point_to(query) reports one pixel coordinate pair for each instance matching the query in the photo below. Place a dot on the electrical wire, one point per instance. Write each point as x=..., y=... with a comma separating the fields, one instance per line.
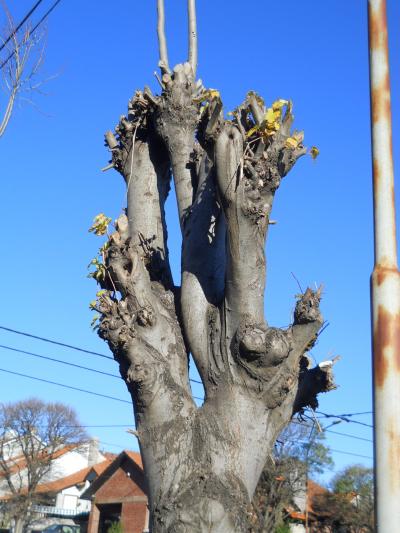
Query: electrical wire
x=345, y=417
x=77, y=348
x=4, y=63
x=58, y=343
x=351, y=453
x=16, y=350
x=294, y=441
x=20, y=24
x=59, y=361
x=347, y=435
x=128, y=402
x=325, y=430
x=65, y=386
x=331, y=449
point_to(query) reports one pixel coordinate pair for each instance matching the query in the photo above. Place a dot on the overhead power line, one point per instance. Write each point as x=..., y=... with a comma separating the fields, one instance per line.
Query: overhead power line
x=59, y=361
x=347, y=435
x=345, y=417
x=4, y=63
x=325, y=430
x=65, y=386
x=351, y=453
x=15, y=31
x=332, y=450
x=58, y=343
x=128, y=402
x=77, y=348
x=130, y=424
x=108, y=374
x=358, y=414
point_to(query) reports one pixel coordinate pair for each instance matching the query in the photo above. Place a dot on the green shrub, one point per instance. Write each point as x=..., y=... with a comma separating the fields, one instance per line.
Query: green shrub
x=283, y=528
x=116, y=527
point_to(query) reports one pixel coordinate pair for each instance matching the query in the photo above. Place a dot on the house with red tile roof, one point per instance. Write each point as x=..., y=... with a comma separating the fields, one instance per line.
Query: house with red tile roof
x=73, y=468
x=119, y=494
x=304, y=516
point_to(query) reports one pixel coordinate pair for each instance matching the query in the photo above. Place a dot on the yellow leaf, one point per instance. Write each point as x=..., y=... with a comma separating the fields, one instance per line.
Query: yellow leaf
x=252, y=130
x=209, y=94
x=278, y=104
x=291, y=143
x=213, y=93
x=295, y=140
x=271, y=122
x=314, y=152
x=100, y=224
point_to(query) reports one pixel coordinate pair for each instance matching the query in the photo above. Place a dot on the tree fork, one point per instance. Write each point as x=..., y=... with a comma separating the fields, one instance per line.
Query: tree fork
x=202, y=464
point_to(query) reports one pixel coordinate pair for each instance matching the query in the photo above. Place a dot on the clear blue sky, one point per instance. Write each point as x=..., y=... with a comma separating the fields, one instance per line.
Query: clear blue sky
x=313, y=52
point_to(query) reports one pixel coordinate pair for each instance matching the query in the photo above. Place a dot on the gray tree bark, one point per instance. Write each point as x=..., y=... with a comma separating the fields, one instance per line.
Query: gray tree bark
x=203, y=464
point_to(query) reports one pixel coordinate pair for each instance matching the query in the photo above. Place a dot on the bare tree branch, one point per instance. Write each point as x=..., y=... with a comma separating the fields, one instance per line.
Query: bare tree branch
x=192, y=35
x=203, y=272
x=20, y=67
x=162, y=40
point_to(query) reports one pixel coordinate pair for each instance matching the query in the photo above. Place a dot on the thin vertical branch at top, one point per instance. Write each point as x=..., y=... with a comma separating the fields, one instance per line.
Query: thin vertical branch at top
x=192, y=35
x=162, y=40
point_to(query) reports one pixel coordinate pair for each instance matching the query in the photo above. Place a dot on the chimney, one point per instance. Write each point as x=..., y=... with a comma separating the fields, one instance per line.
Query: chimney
x=93, y=452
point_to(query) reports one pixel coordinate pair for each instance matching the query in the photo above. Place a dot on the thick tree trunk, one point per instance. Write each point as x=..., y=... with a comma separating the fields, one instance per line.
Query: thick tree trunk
x=202, y=464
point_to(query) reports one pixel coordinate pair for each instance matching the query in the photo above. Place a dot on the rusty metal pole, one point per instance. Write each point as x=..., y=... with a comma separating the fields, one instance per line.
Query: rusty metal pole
x=385, y=284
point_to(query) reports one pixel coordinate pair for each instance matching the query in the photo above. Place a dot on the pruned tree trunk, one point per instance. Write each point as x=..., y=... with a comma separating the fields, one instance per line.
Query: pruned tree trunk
x=202, y=464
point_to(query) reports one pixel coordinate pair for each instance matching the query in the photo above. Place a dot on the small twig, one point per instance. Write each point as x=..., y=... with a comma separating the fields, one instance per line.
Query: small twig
x=316, y=421
x=108, y=167
x=133, y=432
x=298, y=283
x=159, y=80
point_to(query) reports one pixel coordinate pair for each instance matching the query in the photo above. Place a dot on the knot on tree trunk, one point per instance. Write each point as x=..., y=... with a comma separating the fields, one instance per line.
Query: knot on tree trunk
x=262, y=345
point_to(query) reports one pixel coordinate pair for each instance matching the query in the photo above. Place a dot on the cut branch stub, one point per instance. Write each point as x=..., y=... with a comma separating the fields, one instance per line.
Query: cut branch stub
x=312, y=381
x=307, y=307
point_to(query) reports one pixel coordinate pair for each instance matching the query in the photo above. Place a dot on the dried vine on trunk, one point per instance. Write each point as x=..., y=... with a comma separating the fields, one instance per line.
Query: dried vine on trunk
x=202, y=464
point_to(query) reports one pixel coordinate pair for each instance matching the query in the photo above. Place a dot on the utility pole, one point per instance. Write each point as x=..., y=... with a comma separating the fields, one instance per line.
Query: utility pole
x=385, y=284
